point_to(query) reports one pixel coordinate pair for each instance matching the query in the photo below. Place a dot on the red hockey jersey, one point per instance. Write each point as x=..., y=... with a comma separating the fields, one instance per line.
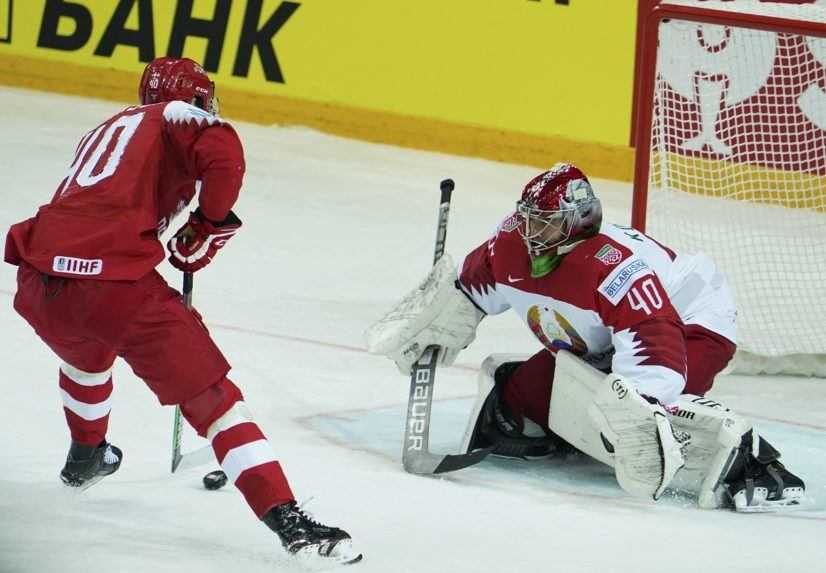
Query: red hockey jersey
x=618, y=299
x=130, y=176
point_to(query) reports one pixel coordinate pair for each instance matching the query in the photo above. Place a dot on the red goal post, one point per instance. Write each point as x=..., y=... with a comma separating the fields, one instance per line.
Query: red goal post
x=730, y=134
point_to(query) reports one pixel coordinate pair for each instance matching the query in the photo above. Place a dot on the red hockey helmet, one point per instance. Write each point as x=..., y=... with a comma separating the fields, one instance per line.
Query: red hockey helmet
x=172, y=79
x=558, y=207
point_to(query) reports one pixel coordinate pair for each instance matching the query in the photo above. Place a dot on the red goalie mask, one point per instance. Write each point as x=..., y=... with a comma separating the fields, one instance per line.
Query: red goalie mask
x=177, y=79
x=558, y=207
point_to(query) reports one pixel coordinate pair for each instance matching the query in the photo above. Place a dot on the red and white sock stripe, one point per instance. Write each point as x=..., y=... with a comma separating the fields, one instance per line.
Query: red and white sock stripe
x=86, y=402
x=248, y=459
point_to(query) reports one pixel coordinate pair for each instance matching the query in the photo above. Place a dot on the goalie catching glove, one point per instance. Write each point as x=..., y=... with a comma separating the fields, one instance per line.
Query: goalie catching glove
x=196, y=243
x=436, y=313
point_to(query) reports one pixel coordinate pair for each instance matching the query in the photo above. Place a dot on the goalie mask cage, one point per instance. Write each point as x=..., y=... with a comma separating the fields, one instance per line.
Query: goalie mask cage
x=730, y=132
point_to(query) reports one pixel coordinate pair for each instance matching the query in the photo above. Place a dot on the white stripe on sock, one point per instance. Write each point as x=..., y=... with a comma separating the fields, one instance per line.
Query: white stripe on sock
x=85, y=378
x=237, y=414
x=247, y=456
x=86, y=411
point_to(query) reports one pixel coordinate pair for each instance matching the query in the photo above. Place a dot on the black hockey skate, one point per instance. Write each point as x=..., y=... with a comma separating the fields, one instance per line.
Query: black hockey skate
x=497, y=427
x=761, y=483
x=309, y=541
x=86, y=465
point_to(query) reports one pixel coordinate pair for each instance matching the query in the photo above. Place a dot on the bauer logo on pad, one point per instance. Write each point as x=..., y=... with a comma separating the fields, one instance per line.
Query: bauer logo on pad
x=75, y=266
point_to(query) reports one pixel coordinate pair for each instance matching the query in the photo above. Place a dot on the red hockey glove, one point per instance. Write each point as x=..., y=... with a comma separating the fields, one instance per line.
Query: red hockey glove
x=196, y=243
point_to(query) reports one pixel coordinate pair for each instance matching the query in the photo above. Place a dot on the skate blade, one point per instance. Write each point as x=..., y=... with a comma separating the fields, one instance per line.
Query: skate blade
x=79, y=489
x=342, y=554
x=75, y=488
x=791, y=500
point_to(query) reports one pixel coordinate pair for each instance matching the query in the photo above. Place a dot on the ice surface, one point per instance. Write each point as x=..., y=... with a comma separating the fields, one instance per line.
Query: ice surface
x=334, y=232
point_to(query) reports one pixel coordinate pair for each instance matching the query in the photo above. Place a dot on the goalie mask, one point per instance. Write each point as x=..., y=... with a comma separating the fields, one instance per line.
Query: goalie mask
x=177, y=79
x=558, y=208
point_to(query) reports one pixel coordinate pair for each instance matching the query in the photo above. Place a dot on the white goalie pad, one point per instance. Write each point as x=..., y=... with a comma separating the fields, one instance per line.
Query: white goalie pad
x=587, y=405
x=710, y=435
x=715, y=433
x=575, y=386
x=435, y=313
x=718, y=437
x=647, y=455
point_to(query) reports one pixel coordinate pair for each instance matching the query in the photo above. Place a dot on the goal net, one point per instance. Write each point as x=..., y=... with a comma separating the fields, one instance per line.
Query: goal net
x=731, y=161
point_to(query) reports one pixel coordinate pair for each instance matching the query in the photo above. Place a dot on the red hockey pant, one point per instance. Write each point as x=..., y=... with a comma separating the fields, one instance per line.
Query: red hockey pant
x=89, y=323
x=528, y=390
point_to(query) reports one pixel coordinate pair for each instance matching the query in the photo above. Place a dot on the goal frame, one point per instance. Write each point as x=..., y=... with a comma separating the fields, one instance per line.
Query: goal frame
x=651, y=14
x=647, y=75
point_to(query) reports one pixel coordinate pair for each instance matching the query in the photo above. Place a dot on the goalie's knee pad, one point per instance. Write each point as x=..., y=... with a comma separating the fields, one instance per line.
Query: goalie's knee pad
x=492, y=424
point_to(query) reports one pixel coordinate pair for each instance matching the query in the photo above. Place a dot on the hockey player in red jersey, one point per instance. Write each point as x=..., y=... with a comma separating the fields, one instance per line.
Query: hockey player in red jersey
x=87, y=284
x=660, y=324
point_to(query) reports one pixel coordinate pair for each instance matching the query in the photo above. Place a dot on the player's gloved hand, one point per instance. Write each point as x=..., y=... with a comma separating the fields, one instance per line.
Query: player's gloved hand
x=196, y=243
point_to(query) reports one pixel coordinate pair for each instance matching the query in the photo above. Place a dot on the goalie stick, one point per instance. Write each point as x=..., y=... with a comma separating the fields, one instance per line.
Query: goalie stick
x=416, y=456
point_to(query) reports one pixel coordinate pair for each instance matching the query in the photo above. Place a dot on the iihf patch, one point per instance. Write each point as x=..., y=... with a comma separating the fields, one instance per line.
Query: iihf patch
x=609, y=255
x=76, y=266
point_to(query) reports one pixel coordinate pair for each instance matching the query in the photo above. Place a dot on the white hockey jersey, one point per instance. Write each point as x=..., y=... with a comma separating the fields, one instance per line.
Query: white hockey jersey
x=619, y=300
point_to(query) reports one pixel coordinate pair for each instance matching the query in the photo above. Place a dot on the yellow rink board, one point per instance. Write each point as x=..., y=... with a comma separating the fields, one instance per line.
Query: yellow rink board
x=521, y=81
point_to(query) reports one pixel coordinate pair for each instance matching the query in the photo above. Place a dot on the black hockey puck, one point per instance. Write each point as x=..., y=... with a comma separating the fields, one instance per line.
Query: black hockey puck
x=215, y=480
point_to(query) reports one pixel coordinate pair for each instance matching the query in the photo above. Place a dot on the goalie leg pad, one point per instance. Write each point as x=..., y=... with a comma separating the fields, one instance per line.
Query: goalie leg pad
x=575, y=385
x=724, y=467
x=715, y=434
x=647, y=454
x=711, y=436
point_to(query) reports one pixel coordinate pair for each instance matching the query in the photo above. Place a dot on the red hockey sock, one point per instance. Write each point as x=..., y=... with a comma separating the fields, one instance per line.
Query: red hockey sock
x=86, y=403
x=241, y=448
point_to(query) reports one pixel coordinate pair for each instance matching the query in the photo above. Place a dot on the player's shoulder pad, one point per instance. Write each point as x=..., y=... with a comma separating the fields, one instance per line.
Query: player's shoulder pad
x=180, y=112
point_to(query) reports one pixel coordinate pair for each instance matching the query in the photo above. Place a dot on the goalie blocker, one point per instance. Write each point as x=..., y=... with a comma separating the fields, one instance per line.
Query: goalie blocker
x=697, y=445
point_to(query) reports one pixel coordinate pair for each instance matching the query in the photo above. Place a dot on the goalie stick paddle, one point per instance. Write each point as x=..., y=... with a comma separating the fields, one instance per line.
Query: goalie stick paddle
x=416, y=456
x=177, y=425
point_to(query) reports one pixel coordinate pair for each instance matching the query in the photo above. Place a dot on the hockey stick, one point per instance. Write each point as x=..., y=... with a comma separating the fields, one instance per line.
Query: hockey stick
x=204, y=454
x=177, y=425
x=416, y=456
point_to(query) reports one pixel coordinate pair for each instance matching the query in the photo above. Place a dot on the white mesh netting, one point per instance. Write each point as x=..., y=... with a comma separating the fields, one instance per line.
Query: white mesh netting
x=738, y=171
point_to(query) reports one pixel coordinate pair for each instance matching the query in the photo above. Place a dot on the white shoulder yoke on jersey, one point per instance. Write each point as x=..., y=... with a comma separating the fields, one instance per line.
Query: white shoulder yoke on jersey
x=182, y=112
